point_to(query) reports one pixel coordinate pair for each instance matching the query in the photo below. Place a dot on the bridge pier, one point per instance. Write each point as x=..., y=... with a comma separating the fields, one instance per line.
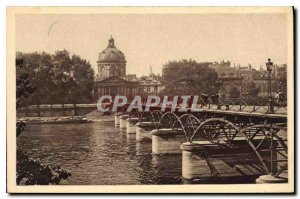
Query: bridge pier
x=117, y=119
x=194, y=164
x=130, y=137
x=143, y=130
x=130, y=125
x=123, y=123
x=206, y=160
x=167, y=141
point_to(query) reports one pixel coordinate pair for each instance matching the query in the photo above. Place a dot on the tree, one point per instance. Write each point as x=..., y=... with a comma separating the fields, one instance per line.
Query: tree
x=30, y=171
x=253, y=90
x=62, y=76
x=23, y=86
x=189, y=77
x=234, y=92
x=58, y=78
x=38, y=67
x=83, y=80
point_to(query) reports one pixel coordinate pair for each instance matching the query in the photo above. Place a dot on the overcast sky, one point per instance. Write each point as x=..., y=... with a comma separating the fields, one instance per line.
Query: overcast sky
x=154, y=39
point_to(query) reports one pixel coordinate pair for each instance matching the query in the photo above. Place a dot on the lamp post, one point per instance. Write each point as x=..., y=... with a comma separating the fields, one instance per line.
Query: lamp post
x=271, y=178
x=269, y=65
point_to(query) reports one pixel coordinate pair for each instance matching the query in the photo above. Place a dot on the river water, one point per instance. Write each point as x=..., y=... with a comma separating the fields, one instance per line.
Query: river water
x=99, y=154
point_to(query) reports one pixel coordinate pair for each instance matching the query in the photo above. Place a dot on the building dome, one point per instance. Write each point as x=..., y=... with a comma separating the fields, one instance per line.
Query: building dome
x=111, y=54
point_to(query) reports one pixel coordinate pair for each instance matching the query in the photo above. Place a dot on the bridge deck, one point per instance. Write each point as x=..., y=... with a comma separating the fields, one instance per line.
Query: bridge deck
x=241, y=113
x=260, y=111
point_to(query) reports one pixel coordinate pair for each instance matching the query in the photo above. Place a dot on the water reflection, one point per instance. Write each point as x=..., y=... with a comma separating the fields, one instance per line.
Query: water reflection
x=99, y=153
x=130, y=136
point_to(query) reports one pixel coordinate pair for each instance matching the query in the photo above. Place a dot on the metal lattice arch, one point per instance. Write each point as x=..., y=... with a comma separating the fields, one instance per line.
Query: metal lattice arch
x=217, y=130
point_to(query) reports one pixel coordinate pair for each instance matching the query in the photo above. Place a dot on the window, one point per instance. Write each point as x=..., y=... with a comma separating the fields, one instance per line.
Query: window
x=155, y=89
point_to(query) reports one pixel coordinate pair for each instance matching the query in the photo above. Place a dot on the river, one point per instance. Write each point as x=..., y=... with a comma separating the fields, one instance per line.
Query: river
x=99, y=154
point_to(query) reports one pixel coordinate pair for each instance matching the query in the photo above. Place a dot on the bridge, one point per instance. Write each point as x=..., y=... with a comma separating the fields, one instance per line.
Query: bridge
x=222, y=138
x=218, y=138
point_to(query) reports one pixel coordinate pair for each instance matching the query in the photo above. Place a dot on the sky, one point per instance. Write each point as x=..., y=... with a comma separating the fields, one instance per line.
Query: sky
x=154, y=39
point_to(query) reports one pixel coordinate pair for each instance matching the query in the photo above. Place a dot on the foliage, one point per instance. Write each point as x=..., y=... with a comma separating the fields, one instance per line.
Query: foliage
x=155, y=76
x=234, y=92
x=253, y=90
x=188, y=77
x=23, y=86
x=29, y=171
x=20, y=127
x=58, y=78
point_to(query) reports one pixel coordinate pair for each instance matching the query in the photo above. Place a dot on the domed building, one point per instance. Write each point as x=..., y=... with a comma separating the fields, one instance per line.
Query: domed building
x=111, y=62
x=112, y=73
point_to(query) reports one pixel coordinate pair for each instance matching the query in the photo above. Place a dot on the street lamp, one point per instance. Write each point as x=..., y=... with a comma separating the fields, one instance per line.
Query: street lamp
x=269, y=65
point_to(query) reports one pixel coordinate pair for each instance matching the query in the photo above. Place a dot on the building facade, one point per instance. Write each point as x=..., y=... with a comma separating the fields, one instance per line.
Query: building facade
x=111, y=78
x=150, y=84
x=111, y=62
x=245, y=78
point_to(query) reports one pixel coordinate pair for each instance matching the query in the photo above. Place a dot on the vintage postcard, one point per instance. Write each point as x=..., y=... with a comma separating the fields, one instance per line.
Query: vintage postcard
x=150, y=100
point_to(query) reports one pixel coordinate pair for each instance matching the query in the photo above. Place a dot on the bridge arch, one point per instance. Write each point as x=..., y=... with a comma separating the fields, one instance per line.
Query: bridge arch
x=218, y=129
x=152, y=116
x=256, y=135
x=222, y=124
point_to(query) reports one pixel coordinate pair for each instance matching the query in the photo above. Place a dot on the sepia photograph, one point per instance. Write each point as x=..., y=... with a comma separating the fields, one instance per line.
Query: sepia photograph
x=150, y=100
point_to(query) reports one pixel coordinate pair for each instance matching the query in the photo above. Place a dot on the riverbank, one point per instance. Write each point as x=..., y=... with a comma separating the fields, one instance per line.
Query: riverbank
x=56, y=110
x=55, y=120
x=95, y=117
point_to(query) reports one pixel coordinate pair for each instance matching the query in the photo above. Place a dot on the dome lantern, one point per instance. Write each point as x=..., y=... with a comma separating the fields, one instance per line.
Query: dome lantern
x=111, y=53
x=111, y=43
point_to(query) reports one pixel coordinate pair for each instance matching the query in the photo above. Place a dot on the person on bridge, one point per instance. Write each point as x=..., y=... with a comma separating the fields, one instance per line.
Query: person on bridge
x=204, y=100
x=215, y=98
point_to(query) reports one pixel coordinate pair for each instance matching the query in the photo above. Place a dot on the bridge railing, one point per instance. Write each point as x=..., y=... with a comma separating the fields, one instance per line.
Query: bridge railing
x=251, y=105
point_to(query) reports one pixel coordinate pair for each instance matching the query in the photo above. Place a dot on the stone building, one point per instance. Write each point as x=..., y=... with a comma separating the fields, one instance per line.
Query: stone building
x=111, y=78
x=111, y=62
x=150, y=84
x=245, y=77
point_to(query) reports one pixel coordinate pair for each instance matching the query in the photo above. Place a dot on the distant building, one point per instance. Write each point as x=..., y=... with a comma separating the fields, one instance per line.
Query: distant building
x=111, y=78
x=243, y=77
x=150, y=84
x=111, y=62
x=131, y=77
